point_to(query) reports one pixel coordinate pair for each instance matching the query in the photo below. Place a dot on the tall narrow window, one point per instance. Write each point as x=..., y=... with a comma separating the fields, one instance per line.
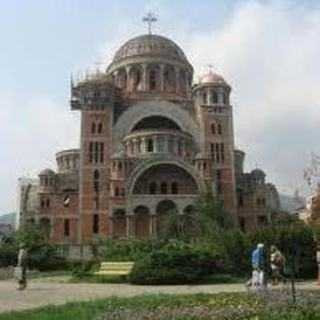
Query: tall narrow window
x=117, y=192
x=48, y=203
x=214, y=97
x=217, y=152
x=93, y=128
x=66, y=227
x=95, y=225
x=219, y=129
x=150, y=145
x=213, y=128
x=96, y=152
x=164, y=188
x=222, y=152
x=100, y=127
x=204, y=98
x=174, y=188
x=212, y=151
x=153, y=188
x=101, y=152
x=153, y=80
x=91, y=152
x=219, y=182
x=96, y=181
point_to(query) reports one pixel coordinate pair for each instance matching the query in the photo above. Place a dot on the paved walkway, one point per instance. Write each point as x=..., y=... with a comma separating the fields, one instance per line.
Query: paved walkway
x=44, y=292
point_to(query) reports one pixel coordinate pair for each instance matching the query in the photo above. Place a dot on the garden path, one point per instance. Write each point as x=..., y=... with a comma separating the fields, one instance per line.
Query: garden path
x=41, y=292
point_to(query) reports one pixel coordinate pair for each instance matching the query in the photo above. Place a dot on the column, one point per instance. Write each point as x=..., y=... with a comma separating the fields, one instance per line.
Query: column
x=128, y=84
x=155, y=144
x=135, y=146
x=177, y=72
x=209, y=96
x=151, y=224
x=129, y=225
x=143, y=145
x=166, y=144
x=220, y=96
x=162, y=66
x=175, y=146
x=144, y=77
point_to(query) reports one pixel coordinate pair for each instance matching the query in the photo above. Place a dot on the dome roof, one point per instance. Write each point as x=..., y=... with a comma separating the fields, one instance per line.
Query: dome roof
x=211, y=77
x=47, y=172
x=150, y=45
x=258, y=173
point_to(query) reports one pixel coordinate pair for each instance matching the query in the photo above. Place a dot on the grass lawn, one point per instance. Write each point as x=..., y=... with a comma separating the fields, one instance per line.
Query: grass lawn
x=178, y=307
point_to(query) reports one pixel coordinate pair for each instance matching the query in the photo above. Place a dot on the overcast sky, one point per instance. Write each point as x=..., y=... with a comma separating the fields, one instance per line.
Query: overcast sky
x=267, y=50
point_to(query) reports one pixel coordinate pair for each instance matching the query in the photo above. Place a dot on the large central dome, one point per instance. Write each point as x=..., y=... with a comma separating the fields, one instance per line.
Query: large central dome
x=150, y=45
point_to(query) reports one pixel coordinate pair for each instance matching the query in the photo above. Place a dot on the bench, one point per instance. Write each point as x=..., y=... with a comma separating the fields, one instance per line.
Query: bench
x=115, y=268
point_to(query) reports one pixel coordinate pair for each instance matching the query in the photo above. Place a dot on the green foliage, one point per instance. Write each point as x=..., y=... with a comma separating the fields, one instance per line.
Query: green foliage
x=8, y=254
x=42, y=256
x=177, y=263
x=127, y=249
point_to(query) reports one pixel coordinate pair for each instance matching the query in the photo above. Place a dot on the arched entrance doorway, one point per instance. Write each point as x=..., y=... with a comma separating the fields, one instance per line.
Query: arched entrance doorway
x=142, y=222
x=164, y=209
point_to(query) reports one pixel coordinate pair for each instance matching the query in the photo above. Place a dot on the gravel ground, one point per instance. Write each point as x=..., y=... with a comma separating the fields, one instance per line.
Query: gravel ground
x=44, y=292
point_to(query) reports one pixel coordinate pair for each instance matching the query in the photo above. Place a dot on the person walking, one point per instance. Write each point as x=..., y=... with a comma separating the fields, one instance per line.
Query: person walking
x=277, y=262
x=258, y=266
x=21, y=269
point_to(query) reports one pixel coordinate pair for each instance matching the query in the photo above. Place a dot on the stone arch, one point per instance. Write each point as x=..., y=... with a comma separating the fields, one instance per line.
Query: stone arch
x=145, y=166
x=128, y=120
x=142, y=222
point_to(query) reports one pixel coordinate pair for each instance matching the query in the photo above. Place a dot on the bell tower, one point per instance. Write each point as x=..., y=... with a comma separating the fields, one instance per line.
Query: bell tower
x=215, y=118
x=94, y=98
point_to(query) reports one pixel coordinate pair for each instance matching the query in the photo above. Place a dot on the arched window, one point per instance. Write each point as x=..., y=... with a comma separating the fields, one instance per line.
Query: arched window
x=219, y=129
x=224, y=98
x=150, y=145
x=153, y=188
x=66, y=227
x=164, y=188
x=120, y=166
x=153, y=79
x=95, y=225
x=214, y=97
x=96, y=180
x=93, y=127
x=100, y=127
x=204, y=98
x=174, y=188
x=116, y=192
x=213, y=128
x=48, y=203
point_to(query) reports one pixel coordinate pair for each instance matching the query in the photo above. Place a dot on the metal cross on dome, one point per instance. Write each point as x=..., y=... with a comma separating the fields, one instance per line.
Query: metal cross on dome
x=150, y=18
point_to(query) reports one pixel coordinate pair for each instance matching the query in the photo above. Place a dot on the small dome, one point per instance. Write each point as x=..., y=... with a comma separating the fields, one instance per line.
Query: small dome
x=47, y=172
x=150, y=45
x=211, y=77
x=258, y=173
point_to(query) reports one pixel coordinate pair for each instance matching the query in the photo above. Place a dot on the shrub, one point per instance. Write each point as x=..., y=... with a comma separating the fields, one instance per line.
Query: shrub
x=127, y=249
x=46, y=258
x=8, y=254
x=177, y=263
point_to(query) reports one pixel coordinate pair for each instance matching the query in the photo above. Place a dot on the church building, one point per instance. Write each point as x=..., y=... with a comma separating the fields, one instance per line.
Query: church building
x=152, y=140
